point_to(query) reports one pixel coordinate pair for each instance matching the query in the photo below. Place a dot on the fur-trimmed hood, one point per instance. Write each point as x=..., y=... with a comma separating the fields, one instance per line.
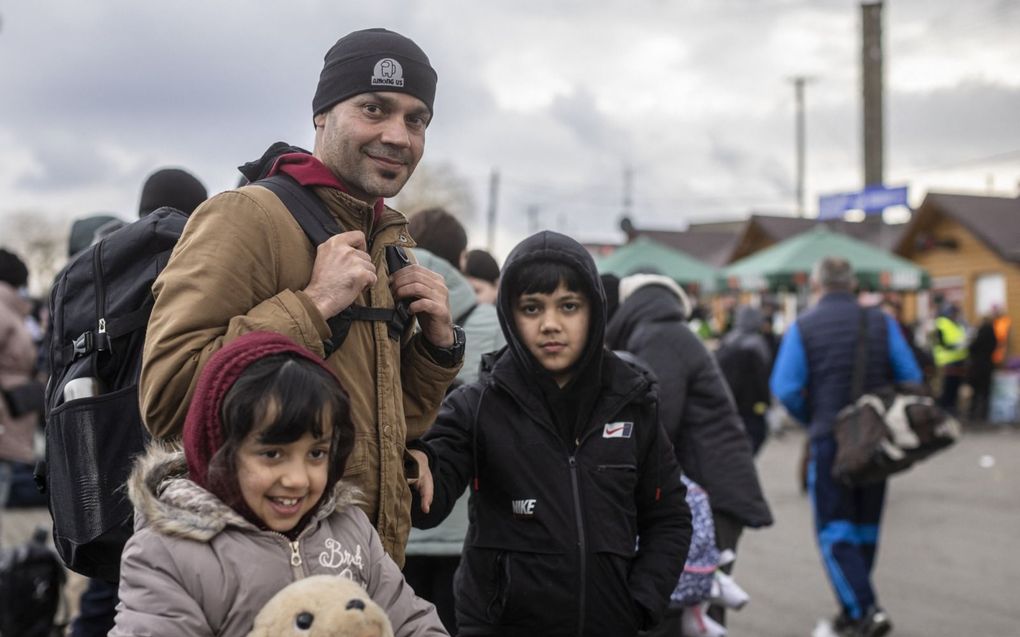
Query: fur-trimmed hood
x=168, y=501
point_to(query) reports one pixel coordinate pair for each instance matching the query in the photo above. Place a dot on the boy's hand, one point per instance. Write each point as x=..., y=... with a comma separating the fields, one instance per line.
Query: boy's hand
x=429, y=300
x=424, y=483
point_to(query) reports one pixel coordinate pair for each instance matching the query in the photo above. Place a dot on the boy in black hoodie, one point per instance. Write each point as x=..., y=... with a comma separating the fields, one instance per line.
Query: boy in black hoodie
x=578, y=524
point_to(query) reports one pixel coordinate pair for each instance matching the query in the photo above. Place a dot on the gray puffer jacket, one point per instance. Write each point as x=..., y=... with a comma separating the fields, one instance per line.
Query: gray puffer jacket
x=196, y=568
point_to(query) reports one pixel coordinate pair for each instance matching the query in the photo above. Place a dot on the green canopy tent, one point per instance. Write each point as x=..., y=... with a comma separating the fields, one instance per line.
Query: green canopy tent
x=787, y=265
x=642, y=255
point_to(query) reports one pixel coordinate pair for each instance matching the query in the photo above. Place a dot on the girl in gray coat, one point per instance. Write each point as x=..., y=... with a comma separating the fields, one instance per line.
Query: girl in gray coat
x=253, y=503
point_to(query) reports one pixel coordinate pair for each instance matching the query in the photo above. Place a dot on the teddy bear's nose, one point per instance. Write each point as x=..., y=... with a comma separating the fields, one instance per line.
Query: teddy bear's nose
x=304, y=621
x=355, y=604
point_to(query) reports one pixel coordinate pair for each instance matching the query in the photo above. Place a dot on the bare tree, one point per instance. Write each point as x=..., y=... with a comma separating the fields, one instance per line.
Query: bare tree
x=437, y=186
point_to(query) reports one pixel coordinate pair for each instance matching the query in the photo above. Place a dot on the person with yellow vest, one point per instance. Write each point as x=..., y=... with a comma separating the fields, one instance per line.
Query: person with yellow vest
x=950, y=351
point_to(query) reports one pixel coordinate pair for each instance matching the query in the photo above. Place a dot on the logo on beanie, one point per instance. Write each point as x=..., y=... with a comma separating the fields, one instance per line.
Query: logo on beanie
x=388, y=72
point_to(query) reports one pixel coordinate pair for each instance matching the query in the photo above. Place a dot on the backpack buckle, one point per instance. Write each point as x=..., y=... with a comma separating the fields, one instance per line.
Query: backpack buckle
x=83, y=344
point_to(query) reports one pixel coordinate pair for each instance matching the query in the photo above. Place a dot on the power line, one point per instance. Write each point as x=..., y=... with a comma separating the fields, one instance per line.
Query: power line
x=969, y=162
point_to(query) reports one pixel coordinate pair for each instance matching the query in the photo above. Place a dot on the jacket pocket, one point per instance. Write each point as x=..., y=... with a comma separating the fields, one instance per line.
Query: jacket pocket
x=510, y=592
x=482, y=583
x=610, y=500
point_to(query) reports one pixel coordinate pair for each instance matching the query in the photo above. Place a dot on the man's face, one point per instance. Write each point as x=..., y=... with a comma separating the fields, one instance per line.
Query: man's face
x=554, y=327
x=372, y=142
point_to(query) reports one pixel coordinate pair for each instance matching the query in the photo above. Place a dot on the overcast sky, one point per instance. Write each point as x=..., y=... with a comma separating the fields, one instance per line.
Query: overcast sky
x=560, y=96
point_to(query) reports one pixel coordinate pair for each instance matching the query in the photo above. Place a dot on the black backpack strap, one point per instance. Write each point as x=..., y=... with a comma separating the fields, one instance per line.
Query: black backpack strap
x=860, y=357
x=319, y=225
x=308, y=210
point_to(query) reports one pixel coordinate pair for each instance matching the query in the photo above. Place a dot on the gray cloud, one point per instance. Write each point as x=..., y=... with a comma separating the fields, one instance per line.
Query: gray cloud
x=105, y=92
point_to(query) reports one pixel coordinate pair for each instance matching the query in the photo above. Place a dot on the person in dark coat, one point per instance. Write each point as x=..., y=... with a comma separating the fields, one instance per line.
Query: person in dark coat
x=746, y=361
x=696, y=408
x=980, y=367
x=578, y=523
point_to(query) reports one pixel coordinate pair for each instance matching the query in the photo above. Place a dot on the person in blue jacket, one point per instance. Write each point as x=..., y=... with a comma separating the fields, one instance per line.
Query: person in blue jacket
x=812, y=378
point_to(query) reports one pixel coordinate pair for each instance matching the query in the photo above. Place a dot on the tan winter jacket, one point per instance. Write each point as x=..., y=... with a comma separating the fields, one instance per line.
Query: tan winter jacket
x=17, y=360
x=238, y=268
x=195, y=568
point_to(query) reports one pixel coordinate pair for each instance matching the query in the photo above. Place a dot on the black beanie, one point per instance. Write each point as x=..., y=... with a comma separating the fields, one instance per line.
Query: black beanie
x=171, y=187
x=374, y=60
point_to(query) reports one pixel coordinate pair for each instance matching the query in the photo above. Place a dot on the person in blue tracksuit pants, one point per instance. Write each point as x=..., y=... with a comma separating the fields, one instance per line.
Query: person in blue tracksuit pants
x=812, y=378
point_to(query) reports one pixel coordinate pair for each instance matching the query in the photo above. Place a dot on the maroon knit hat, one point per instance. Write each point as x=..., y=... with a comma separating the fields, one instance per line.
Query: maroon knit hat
x=203, y=430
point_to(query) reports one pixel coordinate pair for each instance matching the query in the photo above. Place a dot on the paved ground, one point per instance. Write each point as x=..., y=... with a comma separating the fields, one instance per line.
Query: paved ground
x=948, y=560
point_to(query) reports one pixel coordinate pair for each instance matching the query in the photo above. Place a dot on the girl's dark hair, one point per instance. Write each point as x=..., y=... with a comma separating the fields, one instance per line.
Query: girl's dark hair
x=300, y=396
x=543, y=277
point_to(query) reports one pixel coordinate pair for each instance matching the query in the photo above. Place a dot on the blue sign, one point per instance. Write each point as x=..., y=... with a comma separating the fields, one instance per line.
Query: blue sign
x=873, y=199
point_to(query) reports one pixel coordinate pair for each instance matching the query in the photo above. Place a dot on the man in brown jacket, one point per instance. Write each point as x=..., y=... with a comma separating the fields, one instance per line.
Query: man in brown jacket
x=244, y=264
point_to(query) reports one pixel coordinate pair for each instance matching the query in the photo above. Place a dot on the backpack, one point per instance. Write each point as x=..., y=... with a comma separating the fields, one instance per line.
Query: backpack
x=100, y=306
x=31, y=586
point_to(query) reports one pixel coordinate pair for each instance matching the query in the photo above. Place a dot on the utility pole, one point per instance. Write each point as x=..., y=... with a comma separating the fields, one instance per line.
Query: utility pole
x=871, y=85
x=799, y=82
x=493, y=198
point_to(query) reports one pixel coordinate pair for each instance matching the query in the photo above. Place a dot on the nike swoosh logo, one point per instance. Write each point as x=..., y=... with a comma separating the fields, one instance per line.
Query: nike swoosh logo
x=613, y=430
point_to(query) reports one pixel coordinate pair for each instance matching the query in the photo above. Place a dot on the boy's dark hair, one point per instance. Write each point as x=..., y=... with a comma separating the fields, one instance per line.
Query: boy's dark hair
x=543, y=277
x=299, y=394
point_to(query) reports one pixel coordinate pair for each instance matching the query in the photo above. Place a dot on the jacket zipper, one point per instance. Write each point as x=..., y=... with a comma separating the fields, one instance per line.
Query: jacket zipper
x=97, y=271
x=295, y=556
x=581, y=545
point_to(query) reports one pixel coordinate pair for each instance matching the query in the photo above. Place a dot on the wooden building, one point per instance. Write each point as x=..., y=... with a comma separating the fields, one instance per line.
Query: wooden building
x=970, y=246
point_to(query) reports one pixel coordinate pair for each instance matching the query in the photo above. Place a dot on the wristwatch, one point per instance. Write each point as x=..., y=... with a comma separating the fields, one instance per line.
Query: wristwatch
x=448, y=356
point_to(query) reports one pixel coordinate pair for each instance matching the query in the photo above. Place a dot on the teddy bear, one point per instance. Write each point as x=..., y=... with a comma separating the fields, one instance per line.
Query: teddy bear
x=322, y=606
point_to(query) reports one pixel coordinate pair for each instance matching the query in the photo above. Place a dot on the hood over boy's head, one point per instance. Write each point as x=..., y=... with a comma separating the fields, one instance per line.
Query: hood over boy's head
x=538, y=265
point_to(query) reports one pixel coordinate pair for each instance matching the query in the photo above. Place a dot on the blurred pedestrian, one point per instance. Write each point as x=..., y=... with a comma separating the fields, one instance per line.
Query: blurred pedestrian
x=1002, y=324
x=746, y=360
x=695, y=407
x=979, y=368
x=20, y=392
x=441, y=232
x=812, y=378
x=950, y=350
x=433, y=555
x=174, y=187
x=482, y=273
x=83, y=231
